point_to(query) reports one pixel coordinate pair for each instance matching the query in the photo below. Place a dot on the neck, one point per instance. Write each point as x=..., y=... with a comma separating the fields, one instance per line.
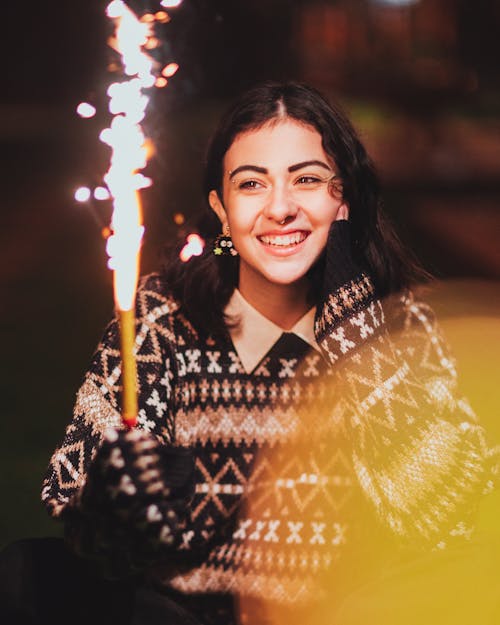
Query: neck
x=283, y=304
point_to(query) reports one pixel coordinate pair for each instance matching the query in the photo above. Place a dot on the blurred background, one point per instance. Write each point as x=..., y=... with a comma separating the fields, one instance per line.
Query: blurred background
x=419, y=79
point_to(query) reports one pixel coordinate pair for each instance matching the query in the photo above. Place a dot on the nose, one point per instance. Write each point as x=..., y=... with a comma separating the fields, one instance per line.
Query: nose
x=280, y=205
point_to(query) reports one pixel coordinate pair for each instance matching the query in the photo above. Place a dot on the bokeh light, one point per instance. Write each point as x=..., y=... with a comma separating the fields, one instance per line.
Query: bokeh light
x=194, y=247
x=170, y=4
x=101, y=193
x=82, y=194
x=86, y=110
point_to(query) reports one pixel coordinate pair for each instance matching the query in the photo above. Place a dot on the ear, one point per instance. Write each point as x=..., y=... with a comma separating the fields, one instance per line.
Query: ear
x=217, y=207
x=343, y=212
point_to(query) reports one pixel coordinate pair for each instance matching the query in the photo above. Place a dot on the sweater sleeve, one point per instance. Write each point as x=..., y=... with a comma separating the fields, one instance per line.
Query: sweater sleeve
x=418, y=451
x=98, y=400
x=72, y=484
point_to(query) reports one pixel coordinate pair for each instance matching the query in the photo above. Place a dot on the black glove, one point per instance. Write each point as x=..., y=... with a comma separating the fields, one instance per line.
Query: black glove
x=345, y=288
x=132, y=506
x=340, y=266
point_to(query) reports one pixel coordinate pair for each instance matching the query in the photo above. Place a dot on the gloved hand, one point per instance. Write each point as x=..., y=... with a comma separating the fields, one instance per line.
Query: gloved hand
x=134, y=501
x=345, y=289
x=340, y=266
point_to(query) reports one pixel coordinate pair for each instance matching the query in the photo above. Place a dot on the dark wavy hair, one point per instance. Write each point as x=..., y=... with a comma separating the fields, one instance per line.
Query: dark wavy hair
x=204, y=284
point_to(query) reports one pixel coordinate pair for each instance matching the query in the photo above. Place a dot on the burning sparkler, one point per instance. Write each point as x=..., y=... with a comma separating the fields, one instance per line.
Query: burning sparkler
x=127, y=104
x=128, y=99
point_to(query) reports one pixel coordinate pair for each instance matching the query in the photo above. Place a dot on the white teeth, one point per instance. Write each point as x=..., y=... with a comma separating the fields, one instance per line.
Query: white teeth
x=283, y=239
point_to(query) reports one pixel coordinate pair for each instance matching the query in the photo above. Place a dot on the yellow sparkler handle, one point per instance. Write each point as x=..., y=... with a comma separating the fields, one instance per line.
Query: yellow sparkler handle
x=129, y=367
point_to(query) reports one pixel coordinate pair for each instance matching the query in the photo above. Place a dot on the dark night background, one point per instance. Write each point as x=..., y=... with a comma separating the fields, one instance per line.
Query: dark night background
x=421, y=83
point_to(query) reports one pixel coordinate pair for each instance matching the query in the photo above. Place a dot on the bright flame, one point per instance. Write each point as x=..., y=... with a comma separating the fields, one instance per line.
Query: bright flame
x=86, y=110
x=82, y=194
x=193, y=247
x=127, y=102
x=170, y=4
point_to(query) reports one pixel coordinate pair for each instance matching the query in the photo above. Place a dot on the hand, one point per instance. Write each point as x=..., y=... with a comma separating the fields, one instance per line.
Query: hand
x=134, y=499
x=132, y=469
x=340, y=267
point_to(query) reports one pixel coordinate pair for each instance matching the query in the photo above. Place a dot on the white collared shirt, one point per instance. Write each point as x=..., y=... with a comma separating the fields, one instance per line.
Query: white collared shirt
x=253, y=334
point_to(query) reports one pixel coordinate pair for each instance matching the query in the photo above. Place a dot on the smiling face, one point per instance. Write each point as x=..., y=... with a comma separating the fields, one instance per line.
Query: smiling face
x=279, y=202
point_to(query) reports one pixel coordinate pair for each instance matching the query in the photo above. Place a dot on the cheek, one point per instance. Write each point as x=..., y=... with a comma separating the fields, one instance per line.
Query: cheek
x=325, y=216
x=238, y=226
x=320, y=243
x=241, y=217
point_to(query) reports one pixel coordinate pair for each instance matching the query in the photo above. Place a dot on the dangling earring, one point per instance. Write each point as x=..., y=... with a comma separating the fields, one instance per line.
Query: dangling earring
x=223, y=244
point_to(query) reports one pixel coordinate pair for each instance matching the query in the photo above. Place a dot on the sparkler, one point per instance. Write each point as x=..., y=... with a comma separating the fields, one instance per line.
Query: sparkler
x=127, y=103
x=128, y=99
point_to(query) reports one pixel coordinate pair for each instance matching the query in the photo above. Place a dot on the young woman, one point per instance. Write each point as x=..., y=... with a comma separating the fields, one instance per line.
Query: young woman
x=287, y=377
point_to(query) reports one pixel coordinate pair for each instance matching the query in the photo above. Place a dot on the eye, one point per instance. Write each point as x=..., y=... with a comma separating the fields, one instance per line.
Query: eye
x=310, y=180
x=249, y=185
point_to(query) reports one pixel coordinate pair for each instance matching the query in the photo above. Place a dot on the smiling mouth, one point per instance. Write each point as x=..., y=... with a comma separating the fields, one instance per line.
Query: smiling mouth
x=283, y=240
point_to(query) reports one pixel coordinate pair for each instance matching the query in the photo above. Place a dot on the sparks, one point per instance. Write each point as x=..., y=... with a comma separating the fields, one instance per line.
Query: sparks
x=169, y=70
x=130, y=150
x=129, y=155
x=86, y=110
x=101, y=193
x=127, y=104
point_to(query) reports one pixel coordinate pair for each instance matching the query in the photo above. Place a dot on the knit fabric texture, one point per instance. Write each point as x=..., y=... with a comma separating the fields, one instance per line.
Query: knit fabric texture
x=286, y=455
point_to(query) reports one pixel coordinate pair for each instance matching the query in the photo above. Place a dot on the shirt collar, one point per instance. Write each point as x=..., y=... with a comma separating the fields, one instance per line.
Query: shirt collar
x=253, y=334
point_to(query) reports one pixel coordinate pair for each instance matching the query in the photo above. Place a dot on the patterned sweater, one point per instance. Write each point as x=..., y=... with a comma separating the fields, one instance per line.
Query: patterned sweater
x=287, y=456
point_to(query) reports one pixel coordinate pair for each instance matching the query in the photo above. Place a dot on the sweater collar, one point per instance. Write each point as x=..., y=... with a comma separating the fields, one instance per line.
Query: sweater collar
x=254, y=335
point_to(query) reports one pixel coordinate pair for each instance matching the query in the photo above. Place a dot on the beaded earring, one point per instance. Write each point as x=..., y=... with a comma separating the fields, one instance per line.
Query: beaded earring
x=223, y=244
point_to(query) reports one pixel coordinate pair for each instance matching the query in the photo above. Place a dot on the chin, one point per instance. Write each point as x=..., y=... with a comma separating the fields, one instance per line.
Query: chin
x=286, y=277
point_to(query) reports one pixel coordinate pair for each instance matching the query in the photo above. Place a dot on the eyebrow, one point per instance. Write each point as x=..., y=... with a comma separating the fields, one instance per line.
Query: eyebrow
x=259, y=170
x=291, y=169
x=298, y=166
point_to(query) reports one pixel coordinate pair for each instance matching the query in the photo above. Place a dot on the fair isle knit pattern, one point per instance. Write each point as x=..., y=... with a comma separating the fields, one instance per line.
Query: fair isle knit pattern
x=282, y=453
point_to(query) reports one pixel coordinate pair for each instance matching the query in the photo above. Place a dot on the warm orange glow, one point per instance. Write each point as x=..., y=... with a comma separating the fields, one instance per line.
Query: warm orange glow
x=148, y=18
x=193, y=247
x=151, y=43
x=179, y=219
x=149, y=146
x=377, y=577
x=162, y=16
x=169, y=70
x=106, y=232
x=161, y=82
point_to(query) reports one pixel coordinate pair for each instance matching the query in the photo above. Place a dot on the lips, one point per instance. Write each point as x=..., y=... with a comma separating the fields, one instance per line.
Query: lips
x=284, y=240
